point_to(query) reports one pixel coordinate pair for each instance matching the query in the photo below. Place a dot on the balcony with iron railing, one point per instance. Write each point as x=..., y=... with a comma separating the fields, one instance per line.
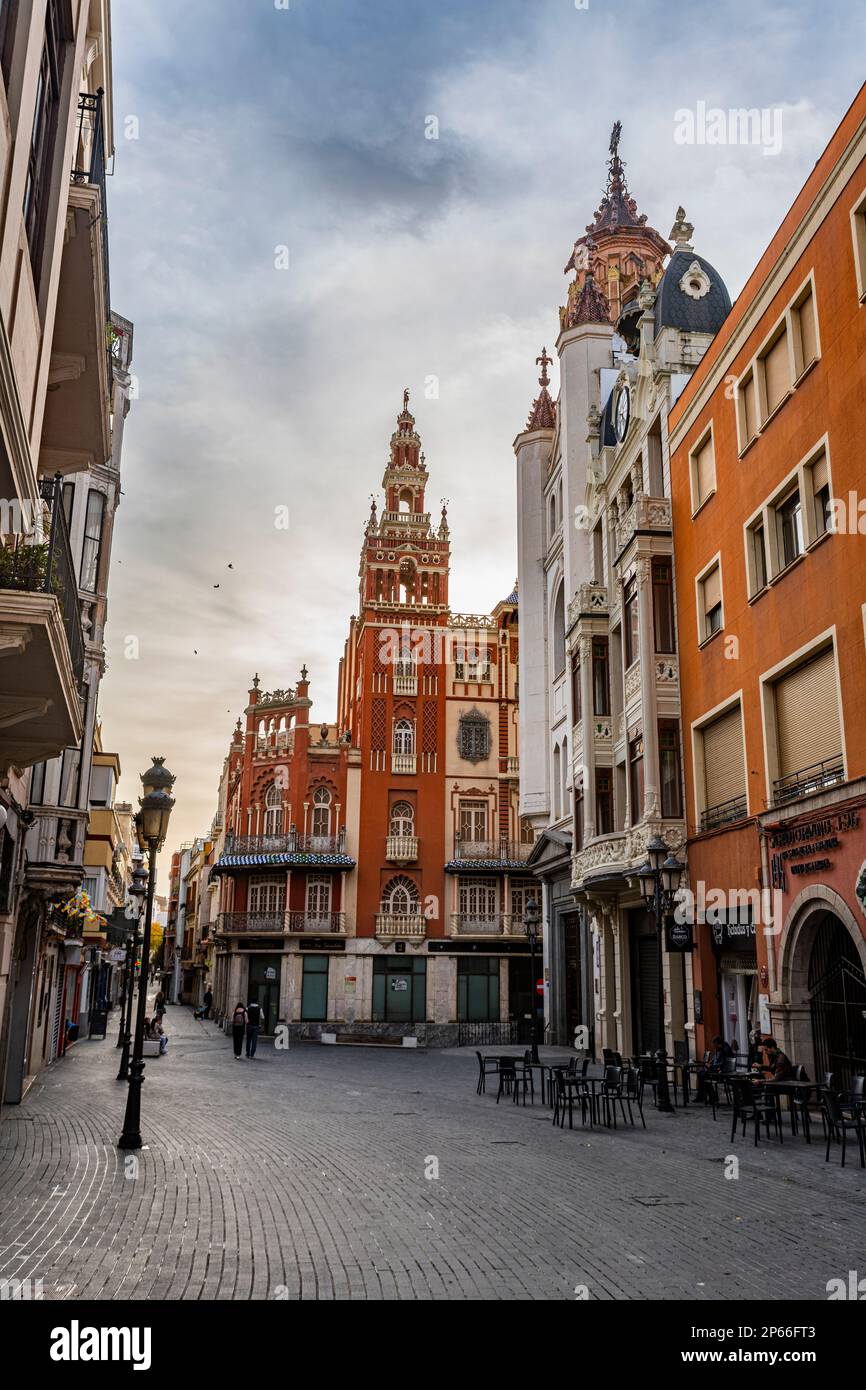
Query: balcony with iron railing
x=815, y=778
x=88, y=167
x=486, y=924
x=491, y=851
x=294, y=842
x=401, y=849
x=42, y=637
x=725, y=813
x=293, y=923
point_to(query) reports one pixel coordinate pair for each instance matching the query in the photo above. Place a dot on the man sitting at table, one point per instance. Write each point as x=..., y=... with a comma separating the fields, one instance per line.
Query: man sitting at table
x=721, y=1051
x=780, y=1065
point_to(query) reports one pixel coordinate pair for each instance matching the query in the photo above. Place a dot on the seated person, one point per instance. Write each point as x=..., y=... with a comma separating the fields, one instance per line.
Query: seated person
x=720, y=1051
x=780, y=1066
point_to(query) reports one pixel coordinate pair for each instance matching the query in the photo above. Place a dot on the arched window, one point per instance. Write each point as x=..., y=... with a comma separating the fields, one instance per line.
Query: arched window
x=274, y=810
x=322, y=812
x=404, y=736
x=402, y=819
x=400, y=897
x=405, y=500
x=552, y=515
x=559, y=632
x=557, y=784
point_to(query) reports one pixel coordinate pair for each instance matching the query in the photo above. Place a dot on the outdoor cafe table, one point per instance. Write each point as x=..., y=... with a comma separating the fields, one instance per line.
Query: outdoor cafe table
x=777, y=1089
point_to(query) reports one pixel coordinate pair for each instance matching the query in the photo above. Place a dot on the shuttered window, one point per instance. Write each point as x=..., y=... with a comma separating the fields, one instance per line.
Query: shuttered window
x=807, y=715
x=821, y=491
x=711, y=602
x=724, y=770
x=777, y=378
x=808, y=332
x=750, y=415
x=703, y=471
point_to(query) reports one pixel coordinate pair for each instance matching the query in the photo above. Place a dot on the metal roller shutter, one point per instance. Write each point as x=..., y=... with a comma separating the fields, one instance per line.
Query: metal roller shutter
x=807, y=715
x=724, y=771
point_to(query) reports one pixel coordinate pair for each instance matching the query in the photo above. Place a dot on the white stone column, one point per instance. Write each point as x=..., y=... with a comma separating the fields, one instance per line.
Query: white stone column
x=646, y=648
x=587, y=737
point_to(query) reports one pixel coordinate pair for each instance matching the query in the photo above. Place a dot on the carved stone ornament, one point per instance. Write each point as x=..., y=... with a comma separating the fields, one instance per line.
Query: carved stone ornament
x=696, y=282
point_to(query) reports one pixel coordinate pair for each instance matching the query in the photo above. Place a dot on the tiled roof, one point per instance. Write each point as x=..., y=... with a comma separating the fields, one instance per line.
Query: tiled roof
x=296, y=860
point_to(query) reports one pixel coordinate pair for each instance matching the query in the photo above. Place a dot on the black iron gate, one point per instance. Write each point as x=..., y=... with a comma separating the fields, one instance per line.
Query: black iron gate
x=837, y=988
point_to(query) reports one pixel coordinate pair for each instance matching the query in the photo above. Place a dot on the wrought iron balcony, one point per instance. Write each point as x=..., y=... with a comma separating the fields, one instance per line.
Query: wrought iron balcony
x=293, y=843
x=492, y=851
x=725, y=813
x=282, y=923
x=808, y=780
x=48, y=568
x=88, y=167
x=486, y=924
x=401, y=924
x=401, y=849
x=319, y=923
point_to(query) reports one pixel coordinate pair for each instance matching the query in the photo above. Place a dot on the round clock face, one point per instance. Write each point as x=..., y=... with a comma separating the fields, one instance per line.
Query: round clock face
x=622, y=413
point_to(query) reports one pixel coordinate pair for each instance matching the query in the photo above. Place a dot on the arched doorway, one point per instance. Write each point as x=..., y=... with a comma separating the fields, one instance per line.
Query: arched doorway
x=837, y=1001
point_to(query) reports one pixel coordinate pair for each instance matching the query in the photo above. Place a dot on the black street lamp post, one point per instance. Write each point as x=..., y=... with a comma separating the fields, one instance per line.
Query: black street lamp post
x=531, y=923
x=137, y=892
x=151, y=824
x=659, y=881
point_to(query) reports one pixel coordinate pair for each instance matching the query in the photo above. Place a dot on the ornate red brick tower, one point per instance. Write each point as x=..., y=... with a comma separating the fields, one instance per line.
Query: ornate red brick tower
x=392, y=700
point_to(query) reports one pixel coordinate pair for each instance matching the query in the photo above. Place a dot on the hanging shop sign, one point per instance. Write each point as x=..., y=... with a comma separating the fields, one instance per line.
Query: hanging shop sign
x=678, y=936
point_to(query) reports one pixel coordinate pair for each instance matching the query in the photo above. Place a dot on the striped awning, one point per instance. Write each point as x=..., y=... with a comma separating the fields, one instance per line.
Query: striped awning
x=289, y=860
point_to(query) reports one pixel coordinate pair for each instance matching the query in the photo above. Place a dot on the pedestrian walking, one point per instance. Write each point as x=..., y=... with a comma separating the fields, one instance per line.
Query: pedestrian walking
x=239, y=1023
x=159, y=1006
x=208, y=1001
x=254, y=1023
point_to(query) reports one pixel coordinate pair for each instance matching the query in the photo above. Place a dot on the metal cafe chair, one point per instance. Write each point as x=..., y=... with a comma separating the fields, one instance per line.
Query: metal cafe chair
x=487, y=1066
x=634, y=1091
x=838, y=1125
x=751, y=1104
x=611, y=1093
x=513, y=1082
x=566, y=1086
x=798, y=1104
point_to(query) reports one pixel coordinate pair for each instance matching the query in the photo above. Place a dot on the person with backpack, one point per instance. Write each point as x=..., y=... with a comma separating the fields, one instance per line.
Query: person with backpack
x=254, y=1023
x=239, y=1023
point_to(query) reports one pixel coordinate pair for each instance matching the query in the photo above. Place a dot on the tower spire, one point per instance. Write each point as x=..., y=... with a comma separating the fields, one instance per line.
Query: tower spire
x=542, y=416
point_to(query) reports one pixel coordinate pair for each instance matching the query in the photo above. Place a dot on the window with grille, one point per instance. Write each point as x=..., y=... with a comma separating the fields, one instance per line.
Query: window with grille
x=404, y=736
x=318, y=897
x=477, y=900
x=322, y=812
x=473, y=737
x=273, y=810
x=522, y=890
x=473, y=820
x=267, y=895
x=402, y=820
x=400, y=897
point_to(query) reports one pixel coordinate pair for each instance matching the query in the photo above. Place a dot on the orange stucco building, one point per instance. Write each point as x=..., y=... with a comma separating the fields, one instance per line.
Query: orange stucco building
x=767, y=469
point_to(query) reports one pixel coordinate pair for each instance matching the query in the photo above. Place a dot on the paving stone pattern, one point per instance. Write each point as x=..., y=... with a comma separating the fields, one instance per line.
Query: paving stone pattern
x=302, y=1174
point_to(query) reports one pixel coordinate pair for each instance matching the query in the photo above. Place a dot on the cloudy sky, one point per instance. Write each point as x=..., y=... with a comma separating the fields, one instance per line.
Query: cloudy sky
x=247, y=126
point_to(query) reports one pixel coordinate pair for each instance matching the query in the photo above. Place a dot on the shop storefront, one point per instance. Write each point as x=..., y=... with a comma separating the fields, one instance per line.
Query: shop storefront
x=815, y=858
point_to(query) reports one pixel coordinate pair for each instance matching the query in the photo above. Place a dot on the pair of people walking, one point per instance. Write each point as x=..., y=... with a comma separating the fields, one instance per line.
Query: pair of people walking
x=246, y=1021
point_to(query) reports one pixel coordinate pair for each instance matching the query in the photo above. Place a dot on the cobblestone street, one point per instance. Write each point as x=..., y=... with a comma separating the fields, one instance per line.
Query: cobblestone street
x=301, y=1174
